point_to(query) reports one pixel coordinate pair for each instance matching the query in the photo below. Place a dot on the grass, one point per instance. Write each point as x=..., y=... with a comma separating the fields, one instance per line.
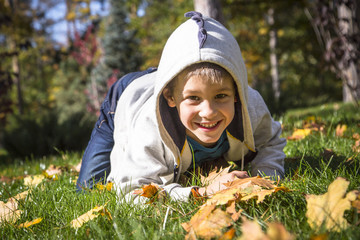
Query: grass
x=311, y=165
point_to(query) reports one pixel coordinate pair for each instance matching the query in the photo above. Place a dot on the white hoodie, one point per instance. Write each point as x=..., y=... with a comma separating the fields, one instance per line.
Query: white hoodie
x=150, y=141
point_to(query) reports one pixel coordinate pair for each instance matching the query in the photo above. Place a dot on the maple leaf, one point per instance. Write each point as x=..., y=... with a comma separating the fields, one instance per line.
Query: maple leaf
x=9, y=211
x=30, y=223
x=252, y=231
x=207, y=223
x=329, y=208
x=151, y=191
x=89, y=215
x=340, y=130
x=213, y=175
x=299, y=134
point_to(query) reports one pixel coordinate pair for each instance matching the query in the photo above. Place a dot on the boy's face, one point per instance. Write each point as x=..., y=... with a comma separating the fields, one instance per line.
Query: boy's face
x=205, y=108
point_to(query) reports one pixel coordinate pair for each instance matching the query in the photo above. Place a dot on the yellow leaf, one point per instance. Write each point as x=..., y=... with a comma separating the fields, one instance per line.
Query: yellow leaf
x=107, y=187
x=93, y=213
x=29, y=224
x=299, y=134
x=340, y=129
x=32, y=181
x=328, y=209
x=71, y=16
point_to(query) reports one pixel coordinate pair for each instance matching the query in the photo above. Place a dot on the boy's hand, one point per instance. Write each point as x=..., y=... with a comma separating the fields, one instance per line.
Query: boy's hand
x=218, y=184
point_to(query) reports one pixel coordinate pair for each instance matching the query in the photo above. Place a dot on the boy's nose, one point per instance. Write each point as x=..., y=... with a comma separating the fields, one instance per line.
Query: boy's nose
x=207, y=110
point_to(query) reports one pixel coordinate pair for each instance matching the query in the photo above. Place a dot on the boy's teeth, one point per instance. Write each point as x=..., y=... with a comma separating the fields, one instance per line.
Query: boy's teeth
x=208, y=125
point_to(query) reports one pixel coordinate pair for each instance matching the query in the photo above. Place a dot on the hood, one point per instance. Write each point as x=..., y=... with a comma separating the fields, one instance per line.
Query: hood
x=201, y=39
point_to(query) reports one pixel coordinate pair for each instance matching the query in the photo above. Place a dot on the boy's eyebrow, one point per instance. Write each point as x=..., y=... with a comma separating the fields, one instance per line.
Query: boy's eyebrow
x=218, y=90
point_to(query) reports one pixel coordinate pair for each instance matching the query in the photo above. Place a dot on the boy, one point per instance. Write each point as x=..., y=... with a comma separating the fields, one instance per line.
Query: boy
x=197, y=107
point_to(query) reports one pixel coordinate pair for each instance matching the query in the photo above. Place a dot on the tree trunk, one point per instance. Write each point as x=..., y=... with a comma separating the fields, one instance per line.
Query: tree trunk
x=273, y=58
x=350, y=75
x=210, y=8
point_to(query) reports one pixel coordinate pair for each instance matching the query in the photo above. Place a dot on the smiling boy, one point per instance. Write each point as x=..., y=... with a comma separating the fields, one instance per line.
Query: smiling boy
x=196, y=108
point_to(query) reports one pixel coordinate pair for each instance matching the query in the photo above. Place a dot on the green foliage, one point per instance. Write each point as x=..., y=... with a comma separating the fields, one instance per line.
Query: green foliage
x=120, y=52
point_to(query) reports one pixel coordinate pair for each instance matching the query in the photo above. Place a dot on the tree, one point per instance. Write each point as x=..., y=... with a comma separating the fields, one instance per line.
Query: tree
x=120, y=52
x=210, y=8
x=337, y=25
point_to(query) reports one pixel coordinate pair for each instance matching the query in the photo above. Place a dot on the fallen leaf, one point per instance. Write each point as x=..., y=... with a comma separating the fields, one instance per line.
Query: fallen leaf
x=151, y=191
x=251, y=230
x=328, y=209
x=230, y=234
x=91, y=214
x=299, y=134
x=30, y=223
x=277, y=231
x=107, y=187
x=207, y=223
x=235, y=215
x=77, y=167
x=340, y=130
x=32, y=181
x=9, y=211
x=213, y=175
x=356, y=146
x=323, y=236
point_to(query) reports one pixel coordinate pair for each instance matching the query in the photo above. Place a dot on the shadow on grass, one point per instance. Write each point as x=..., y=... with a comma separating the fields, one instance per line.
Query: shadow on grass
x=327, y=160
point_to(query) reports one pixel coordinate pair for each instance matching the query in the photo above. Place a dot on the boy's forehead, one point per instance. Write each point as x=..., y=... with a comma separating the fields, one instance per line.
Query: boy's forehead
x=182, y=80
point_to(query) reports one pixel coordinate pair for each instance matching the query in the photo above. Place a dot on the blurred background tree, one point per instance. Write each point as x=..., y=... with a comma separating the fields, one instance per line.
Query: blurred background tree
x=297, y=53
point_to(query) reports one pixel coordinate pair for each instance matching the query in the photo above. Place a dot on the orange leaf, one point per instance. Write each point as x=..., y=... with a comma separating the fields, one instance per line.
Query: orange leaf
x=151, y=191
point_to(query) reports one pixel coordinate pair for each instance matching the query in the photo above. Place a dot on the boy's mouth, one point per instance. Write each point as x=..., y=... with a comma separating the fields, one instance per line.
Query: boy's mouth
x=209, y=125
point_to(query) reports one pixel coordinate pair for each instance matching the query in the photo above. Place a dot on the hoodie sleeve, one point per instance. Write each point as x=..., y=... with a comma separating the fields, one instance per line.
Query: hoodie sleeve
x=270, y=158
x=139, y=158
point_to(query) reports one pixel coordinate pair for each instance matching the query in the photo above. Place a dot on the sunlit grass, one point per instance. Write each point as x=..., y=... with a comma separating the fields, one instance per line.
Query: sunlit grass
x=311, y=165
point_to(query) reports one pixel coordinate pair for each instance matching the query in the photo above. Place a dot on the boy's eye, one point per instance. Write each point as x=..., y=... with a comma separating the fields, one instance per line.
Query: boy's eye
x=193, y=98
x=220, y=96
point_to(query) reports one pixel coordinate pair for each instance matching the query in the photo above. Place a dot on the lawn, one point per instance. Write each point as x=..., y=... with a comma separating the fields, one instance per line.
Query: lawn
x=324, y=149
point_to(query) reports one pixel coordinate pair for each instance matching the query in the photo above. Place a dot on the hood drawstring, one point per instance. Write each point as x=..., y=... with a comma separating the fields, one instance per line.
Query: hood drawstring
x=242, y=158
x=202, y=35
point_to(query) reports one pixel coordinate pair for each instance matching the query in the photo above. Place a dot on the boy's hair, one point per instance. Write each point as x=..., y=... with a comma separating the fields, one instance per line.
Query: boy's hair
x=209, y=71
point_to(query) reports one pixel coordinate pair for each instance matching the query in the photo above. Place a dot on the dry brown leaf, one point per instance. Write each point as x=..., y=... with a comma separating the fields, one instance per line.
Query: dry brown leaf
x=235, y=215
x=91, y=214
x=9, y=211
x=151, y=191
x=207, y=223
x=340, y=130
x=252, y=231
x=213, y=175
x=328, y=209
x=262, y=182
x=30, y=223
